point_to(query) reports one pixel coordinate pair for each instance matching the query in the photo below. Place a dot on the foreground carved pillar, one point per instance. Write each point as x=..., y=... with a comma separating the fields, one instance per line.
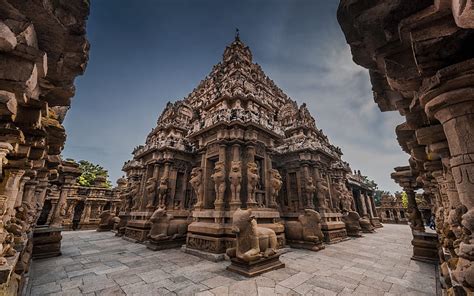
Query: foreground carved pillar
x=452, y=103
x=11, y=188
x=60, y=210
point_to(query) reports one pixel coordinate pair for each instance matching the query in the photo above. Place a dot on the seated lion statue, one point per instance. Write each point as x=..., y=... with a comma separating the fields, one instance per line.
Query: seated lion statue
x=252, y=242
x=106, y=220
x=165, y=227
x=307, y=228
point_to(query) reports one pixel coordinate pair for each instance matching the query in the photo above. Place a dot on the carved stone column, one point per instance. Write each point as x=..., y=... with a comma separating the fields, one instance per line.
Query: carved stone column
x=19, y=196
x=363, y=205
x=60, y=210
x=235, y=178
x=220, y=179
x=416, y=222
x=251, y=201
x=5, y=148
x=452, y=103
x=11, y=188
x=87, y=212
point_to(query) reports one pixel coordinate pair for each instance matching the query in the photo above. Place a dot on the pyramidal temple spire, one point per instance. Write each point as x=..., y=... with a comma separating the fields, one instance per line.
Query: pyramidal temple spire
x=237, y=49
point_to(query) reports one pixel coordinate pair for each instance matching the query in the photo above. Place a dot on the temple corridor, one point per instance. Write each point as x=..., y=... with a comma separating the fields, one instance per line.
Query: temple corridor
x=98, y=263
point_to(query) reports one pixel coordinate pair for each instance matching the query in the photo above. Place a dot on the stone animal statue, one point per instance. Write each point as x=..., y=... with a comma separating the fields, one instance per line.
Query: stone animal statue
x=235, y=177
x=106, y=220
x=162, y=192
x=196, y=181
x=275, y=186
x=322, y=192
x=150, y=191
x=307, y=228
x=252, y=242
x=352, y=221
x=252, y=180
x=133, y=195
x=219, y=180
x=165, y=227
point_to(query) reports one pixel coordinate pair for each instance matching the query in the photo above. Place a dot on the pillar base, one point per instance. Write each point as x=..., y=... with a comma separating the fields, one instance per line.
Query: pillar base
x=425, y=247
x=47, y=242
x=255, y=268
x=165, y=244
x=306, y=245
x=333, y=228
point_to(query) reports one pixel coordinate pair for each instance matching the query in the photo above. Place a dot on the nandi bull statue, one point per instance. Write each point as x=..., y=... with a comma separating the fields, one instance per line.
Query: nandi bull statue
x=166, y=231
x=255, y=250
x=306, y=232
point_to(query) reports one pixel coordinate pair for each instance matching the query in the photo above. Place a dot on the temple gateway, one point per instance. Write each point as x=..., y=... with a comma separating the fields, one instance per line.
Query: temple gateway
x=237, y=142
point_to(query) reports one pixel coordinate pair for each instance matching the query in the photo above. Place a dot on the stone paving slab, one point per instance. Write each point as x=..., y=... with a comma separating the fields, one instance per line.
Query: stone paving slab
x=97, y=263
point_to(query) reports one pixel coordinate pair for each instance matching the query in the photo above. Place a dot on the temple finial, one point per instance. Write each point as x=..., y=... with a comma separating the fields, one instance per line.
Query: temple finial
x=237, y=34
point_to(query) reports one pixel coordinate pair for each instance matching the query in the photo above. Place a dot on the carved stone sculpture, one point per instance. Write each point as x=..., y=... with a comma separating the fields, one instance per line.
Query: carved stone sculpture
x=416, y=221
x=306, y=232
x=235, y=177
x=275, y=187
x=106, y=221
x=150, y=192
x=162, y=192
x=352, y=221
x=310, y=189
x=196, y=181
x=219, y=181
x=255, y=250
x=166, y=231
x=252, y=181
x=322, y=191
x=133, y=195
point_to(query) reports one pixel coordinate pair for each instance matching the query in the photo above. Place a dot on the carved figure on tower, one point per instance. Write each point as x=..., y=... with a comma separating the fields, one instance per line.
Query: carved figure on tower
x=151, y=192
x=163, y=192
x=196, y=182
x=310, y=189
x=275, y=187
x=219, y=181
x=252, y=181
x=235, y=177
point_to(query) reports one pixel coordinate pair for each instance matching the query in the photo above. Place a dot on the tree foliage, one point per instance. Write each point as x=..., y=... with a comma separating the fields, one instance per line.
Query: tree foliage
x=90, y=172
x=405, y=199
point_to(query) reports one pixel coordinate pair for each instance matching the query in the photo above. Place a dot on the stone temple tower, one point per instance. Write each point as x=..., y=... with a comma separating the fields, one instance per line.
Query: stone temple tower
x=236, y=141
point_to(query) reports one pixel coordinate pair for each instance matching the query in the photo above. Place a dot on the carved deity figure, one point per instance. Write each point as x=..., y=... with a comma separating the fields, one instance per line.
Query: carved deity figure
x=337, y=197
x=6, y=238
x=165, y=227
x=310, y=189
x=252, y=181
x=322, y=192
x=235, y=177
x=150, y=191
x=306, y=229
x=162, y=192
x=133, y=195
x=347, y=200
x=219, y=181
x=253, y=242
x=196, y=181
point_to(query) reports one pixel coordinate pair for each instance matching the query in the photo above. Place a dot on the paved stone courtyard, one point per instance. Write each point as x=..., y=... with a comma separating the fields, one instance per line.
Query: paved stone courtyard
x=98, y=263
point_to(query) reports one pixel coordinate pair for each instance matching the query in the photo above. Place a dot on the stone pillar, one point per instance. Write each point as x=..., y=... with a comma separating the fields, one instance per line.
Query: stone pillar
x=363, y=205
x=452, y=103
x=369, y=206
x=11, y=188
x=5, y=148
x=415, y=214
x=87, y=212
x=60, y=210
x=29, y=192
x=19, y=196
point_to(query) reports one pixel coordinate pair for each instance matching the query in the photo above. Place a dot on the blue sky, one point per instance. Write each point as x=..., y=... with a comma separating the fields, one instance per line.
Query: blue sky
x=145, y=53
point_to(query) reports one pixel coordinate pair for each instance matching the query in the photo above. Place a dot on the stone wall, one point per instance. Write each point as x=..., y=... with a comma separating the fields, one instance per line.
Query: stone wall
x=42, y=49
x=420, y=56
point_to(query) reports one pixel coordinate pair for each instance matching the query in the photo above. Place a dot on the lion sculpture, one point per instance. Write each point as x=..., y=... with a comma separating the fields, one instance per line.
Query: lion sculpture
x=151, y=191
x=352, y=221
x=310, y=189
x=275, y=186
x=253, y=242
x=219, y=180
x=165, y=227
x=235, y=177
x=162, y=192
x=106, y=221
x=307, y=230
x=196, y=181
